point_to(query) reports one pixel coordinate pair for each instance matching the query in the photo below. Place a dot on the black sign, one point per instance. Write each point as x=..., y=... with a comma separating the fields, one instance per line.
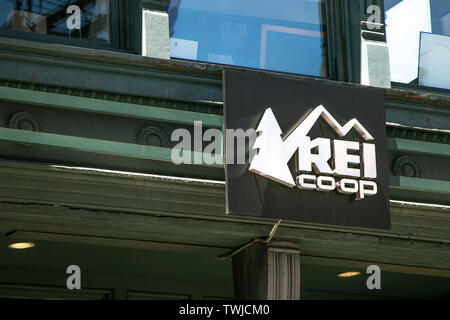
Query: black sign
x=318, y=155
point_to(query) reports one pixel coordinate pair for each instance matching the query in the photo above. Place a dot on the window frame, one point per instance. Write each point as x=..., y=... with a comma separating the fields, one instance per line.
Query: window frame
x=327, y=46
x=414, y=85
x=118, y=21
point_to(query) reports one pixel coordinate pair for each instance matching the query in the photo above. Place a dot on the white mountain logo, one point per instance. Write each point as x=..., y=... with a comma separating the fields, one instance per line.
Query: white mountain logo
x=273, y=153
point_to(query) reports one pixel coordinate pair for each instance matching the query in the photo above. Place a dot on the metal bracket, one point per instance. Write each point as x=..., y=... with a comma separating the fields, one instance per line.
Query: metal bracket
x=245, y=246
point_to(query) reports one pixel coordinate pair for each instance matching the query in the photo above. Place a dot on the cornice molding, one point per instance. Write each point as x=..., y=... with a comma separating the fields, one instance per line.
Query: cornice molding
x=211, y=108
x=420, y=134
x=418, y=97
x=164, y=68
x=393, y=130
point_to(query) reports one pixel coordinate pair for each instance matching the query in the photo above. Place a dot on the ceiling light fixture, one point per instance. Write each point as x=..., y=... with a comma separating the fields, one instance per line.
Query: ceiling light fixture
x=348, y=274
x=21, y=245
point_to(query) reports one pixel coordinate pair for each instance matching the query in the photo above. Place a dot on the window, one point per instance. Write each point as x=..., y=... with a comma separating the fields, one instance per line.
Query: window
x=279, y=35
x=72, y=19
x=418, y=37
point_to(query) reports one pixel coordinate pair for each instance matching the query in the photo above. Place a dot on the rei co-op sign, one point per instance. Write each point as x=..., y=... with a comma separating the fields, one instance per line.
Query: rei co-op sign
x=317, y=153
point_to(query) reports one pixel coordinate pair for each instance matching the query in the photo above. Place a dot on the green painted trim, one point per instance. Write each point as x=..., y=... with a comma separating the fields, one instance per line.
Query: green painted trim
x=388, y=247
x=174, y=198
x=113, y=242
x=418, y=134
x=193, y=106
x=352, y=264
x=108, y=107
x=92, y=145
x=415, y=104
x=421, y=147
x=418, y=184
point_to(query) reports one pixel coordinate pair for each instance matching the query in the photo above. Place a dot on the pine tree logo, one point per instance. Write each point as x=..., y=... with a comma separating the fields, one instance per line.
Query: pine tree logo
x=269, y=159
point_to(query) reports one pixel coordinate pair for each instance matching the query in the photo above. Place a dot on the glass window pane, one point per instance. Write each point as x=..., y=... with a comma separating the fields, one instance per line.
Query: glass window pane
x=69, y=18
x=405, y=20
x=434, y=60
x=280, y=35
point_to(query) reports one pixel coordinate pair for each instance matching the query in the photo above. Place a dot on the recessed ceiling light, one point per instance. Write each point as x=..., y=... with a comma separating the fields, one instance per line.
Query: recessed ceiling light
x=348, y=274
x=21, y=245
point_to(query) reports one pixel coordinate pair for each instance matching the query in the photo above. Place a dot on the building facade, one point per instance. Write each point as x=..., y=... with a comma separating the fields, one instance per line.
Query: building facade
x=91, y=93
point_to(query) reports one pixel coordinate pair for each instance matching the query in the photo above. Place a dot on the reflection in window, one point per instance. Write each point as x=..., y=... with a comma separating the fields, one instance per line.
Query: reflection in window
x=83, y=19
x=405, y=20
x=280, y=35
x=434, y=60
